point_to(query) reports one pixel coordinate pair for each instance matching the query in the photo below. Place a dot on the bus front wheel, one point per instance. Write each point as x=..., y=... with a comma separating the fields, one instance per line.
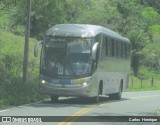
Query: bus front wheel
x=54, y=98
x=97, y=98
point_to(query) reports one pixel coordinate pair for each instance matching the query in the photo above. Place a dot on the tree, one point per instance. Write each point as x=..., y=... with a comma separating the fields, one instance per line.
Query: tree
x=154, y=32
x=46, y=14
x=100, y=13
x=138, y=41
x=152, y=51
x=150, y=16
x=152, y=56
x=152, y=3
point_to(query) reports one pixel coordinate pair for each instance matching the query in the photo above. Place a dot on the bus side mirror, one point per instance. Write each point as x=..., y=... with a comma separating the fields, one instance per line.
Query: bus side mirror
x=36, y=48
x=94, y=50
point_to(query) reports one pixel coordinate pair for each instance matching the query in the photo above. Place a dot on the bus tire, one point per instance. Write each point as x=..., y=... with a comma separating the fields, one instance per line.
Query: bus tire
x=97, y=97
x=118, y=95
x=54, y=98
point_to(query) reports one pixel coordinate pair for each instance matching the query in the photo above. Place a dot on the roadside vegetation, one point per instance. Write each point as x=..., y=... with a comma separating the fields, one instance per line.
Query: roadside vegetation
x=143, y=85
x=136, y=84
x=146, y=81
x=12, y=90
x=136, y=19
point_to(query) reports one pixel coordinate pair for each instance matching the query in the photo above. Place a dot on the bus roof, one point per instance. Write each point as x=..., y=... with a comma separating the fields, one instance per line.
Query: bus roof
x=82, y=30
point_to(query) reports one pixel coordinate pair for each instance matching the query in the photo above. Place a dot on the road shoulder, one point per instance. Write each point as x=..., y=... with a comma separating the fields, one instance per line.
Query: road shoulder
x=158, y=111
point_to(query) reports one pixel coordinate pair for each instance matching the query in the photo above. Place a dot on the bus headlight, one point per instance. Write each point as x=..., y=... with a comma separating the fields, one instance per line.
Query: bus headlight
x=85, y=84
x=82, y=81
x=43, y=81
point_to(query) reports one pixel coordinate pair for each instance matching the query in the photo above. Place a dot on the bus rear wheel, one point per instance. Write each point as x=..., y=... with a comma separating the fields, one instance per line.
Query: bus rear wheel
x=54, y=98
x=118, y=95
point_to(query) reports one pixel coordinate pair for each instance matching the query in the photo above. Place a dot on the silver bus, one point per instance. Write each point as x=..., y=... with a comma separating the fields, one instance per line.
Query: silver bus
x=83, y=61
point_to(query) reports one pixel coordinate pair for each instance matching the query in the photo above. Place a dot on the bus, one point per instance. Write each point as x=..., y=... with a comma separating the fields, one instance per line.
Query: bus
x=83, y=60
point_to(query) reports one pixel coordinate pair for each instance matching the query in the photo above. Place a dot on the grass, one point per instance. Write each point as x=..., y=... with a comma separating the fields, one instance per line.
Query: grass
x=158, y=111
x=136, y=84
x=12, y=90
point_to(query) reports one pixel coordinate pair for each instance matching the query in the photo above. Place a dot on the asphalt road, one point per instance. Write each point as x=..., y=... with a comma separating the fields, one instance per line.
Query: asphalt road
x=132, y=104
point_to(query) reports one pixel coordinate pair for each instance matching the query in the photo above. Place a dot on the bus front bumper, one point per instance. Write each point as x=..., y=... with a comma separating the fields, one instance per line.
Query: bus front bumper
x=84, y=91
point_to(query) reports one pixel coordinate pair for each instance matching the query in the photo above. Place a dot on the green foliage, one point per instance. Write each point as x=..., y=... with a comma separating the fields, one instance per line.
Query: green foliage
x=100, y=13
x=150, y=15
x=12, y=90
x=4, y=18
x=19, y=93
x=154, y=32
x=129, y=15
x=136, y=84
x=154, y=29
x=147, y=73
x=7, y=17
x=147, y=79
x=138, y=41
x=152, y=56
x=48, y=13
x=152, y=3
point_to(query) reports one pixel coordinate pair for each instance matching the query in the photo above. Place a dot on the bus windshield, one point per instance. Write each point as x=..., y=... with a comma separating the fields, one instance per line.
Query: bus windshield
x=66, y=56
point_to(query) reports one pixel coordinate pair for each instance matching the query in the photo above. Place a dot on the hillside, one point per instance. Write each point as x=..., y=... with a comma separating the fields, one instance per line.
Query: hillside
x=12, y=91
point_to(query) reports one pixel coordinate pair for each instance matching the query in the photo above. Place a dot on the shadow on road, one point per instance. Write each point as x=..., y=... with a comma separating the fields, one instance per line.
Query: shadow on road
x=74, y=102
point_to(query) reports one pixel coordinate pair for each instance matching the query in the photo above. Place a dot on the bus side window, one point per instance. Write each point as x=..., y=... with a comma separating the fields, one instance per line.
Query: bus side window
x=121, y=49
x=104, y=47
x=112, y=48
x=126, y=51
x=107, y=46
x=116, y=49
x=98, y=38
